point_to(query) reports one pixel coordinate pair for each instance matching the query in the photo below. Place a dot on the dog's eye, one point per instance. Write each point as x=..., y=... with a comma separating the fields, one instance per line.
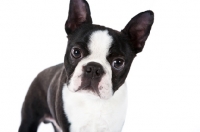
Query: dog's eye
x=118, y=63
x=76, y=53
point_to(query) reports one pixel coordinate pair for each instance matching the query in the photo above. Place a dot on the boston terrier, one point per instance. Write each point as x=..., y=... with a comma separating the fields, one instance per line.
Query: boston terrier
x=87, y=93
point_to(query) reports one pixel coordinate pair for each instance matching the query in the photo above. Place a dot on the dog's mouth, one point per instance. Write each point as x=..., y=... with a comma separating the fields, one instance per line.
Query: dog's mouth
x=90, y=85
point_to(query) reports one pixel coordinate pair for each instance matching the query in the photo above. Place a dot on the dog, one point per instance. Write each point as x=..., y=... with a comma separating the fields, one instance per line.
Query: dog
x=87, y=93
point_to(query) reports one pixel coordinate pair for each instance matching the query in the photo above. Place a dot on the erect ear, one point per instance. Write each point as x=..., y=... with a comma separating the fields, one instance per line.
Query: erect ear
x=79, y=13
x=138, y=29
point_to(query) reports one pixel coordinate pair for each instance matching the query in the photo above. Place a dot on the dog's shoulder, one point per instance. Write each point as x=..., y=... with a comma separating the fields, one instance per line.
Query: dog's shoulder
x=45, y=77
x=51, y=70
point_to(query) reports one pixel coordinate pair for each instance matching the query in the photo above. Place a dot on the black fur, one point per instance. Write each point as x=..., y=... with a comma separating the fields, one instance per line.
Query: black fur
x=44, y=97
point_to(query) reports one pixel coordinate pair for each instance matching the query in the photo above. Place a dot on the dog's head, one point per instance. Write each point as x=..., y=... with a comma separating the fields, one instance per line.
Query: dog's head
x=98, y=59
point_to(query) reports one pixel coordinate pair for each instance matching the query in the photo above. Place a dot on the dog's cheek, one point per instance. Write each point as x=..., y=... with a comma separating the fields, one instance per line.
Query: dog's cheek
x=75, y=81
x=105, y=87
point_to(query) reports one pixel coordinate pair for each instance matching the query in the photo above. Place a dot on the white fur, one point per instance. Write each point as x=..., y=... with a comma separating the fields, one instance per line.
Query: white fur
x=54, y=122
x=99, y=44
x=90, y=113
x=86, y=111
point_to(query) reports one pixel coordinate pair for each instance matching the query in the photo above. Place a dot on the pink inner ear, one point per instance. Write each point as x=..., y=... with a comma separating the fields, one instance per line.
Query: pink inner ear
x=72, y=26
x=138, y=29
x=79, y=13
x=140, y=33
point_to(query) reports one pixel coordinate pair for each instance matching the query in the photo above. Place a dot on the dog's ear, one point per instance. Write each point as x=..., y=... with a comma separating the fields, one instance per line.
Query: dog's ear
x=138, y=29
x=79, y=13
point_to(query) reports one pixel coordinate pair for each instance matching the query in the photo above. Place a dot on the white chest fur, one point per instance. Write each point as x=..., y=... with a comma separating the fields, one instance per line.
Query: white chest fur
x=89, y=113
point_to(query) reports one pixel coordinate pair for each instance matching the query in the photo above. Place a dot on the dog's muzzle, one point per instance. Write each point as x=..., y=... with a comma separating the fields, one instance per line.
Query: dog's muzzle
x=92, y=75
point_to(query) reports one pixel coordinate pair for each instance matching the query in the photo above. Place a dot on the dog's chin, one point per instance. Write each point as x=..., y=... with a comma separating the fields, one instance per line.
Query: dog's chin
x=95, y=91
x=90, y=85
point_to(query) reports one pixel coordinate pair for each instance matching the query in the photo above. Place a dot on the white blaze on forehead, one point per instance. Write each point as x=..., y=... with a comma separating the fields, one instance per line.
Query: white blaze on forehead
x=100, y=43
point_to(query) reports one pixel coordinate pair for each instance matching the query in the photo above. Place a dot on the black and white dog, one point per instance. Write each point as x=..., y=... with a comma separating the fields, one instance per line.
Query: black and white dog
x=87, y=93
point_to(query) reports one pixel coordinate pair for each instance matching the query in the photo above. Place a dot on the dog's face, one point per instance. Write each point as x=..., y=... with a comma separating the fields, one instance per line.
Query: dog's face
x=98, y=59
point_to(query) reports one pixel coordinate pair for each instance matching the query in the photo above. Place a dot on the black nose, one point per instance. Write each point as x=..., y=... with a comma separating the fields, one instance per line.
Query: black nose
x=93, y=70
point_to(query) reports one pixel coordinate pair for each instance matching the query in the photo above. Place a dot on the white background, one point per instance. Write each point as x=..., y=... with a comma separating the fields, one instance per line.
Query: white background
x=164, y=81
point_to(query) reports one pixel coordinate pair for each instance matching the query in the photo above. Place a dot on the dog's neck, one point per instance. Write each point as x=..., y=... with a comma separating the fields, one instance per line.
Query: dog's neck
x=89, y=113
